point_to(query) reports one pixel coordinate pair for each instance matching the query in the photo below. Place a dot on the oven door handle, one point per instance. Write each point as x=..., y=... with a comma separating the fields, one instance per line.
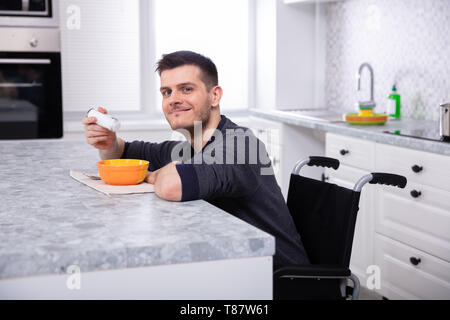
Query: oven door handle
x=25, y=61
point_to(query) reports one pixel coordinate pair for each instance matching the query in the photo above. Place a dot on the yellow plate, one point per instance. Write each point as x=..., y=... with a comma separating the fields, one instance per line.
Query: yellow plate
x=374, y=119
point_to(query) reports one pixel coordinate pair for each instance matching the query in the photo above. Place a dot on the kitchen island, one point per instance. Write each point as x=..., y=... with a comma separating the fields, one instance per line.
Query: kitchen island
x=60, y=239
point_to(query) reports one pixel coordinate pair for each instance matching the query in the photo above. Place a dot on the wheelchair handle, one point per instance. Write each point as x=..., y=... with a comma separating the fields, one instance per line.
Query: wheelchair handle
x=388, y=179
x=381, y=178
x=316, y=161
x=324, y=162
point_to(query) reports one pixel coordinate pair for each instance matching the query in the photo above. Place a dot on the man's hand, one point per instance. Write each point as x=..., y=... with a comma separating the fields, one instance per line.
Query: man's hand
x=151, y=176
x=97, y=136
x=106, y=141
x=167, y=182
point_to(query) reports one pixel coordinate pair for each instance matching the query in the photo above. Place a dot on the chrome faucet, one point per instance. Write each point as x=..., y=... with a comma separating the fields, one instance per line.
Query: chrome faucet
x=370, y=103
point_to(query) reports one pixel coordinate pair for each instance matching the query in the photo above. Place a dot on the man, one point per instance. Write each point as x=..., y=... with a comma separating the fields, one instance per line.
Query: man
x=209, y=165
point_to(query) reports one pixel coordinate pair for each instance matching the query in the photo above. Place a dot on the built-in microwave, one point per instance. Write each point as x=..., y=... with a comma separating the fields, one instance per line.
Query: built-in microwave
x=29, y=13
x=30, y=84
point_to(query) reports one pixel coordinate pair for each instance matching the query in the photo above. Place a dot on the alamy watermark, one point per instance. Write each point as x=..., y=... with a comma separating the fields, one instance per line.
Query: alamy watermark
x=73, y=281
x=235, y=147
x=73, y=21
x=374, y=279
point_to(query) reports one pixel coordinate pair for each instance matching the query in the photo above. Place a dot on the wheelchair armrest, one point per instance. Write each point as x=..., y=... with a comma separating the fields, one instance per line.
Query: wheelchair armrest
x=312, y=271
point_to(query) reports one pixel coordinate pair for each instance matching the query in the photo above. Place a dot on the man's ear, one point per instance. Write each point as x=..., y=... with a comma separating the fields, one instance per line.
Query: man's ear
x=216, y=96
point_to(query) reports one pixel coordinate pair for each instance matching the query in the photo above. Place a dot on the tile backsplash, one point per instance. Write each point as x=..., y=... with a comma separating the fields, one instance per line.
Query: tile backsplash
x=407, y=42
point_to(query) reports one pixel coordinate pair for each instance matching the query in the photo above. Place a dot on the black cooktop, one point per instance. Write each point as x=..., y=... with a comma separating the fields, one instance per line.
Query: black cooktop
x=425, y=134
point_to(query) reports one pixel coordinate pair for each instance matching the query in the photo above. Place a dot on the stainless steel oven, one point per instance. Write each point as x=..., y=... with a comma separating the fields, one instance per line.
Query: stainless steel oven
x=25, y=8
x=29, y=13
x=30, y=84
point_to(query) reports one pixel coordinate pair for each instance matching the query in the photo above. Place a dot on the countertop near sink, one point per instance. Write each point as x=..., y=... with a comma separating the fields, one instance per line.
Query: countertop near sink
x=49, y=221
x=374, y=133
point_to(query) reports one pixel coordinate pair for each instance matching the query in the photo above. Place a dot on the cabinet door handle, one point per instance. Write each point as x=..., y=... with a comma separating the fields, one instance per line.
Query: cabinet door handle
x=416, y=168
x=414, y=261
x=344, y=152
x=415, y=193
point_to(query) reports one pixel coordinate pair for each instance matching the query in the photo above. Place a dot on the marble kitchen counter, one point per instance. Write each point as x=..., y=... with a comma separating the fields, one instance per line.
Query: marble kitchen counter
x=49, y=221
x=374, y=133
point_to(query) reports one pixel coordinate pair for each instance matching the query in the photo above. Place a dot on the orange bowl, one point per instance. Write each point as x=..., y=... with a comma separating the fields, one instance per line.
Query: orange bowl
x=122, y=172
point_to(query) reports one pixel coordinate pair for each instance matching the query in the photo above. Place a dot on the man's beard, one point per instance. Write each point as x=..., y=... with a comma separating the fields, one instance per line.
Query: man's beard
x=203, y=117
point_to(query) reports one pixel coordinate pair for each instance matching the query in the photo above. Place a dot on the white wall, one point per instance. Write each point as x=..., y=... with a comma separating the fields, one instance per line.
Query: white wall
x=285, y=55
x=266, y=38
x=295, y=55
x=407, y=42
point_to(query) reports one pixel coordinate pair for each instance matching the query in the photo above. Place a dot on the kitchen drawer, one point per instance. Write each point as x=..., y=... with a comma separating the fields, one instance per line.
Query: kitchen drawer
x=421, y=194
x=346, y=173
x=354, y=152
x=400, y=279
x=422, y=222
x=435, y=168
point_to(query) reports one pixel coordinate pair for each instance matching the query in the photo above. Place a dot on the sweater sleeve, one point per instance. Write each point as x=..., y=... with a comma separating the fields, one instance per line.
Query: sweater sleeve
x=157, y=154
x=233, y=179
x=209, y=181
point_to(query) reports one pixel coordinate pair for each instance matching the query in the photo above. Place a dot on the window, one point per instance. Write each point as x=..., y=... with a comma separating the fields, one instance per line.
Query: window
x=218, y=29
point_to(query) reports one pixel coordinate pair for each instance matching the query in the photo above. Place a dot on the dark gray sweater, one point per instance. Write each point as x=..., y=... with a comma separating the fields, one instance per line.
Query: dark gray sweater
x=234, y=173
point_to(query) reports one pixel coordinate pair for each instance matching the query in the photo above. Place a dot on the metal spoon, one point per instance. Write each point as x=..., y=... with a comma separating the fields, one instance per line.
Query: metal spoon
x=93, y=177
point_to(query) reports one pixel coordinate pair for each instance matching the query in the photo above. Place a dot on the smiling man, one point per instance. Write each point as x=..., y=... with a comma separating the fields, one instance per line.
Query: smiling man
x=209, y=165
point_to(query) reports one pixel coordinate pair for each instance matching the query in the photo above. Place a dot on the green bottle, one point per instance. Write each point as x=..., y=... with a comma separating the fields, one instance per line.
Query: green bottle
x=394, y=110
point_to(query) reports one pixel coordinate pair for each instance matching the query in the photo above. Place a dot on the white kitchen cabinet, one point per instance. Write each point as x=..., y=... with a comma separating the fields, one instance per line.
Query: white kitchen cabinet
x=432, y=169
x=248, y=278
x=351, y=151
x=355, y=157
x=400, y=279
x=270, y=133
x=413, y=225
x=405, y=232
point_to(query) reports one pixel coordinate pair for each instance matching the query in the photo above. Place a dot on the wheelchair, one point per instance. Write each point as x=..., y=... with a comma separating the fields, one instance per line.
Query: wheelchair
x=325, y=217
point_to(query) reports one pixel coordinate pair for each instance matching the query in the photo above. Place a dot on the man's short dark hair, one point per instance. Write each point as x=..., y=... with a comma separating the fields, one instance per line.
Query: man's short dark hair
x=180, y=58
